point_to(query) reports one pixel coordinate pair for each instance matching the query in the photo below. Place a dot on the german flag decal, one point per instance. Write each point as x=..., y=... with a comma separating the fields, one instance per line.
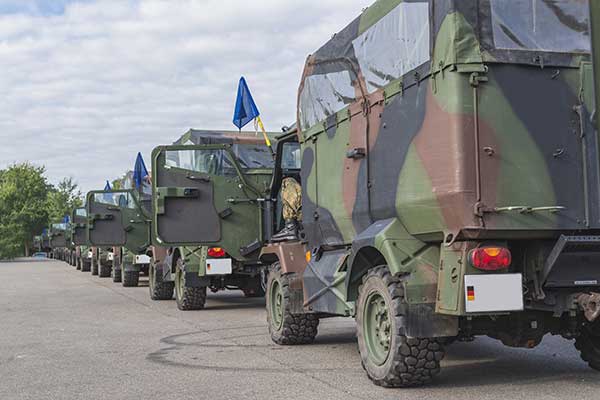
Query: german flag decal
x=470, y=293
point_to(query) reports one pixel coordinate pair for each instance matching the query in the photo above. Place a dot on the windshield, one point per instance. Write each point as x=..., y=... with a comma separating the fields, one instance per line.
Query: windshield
x=217, y=161
x=122, y=200
x=541, y=25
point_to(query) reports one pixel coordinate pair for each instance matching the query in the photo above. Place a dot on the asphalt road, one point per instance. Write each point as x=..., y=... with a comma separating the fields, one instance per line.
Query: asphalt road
x=65, y=334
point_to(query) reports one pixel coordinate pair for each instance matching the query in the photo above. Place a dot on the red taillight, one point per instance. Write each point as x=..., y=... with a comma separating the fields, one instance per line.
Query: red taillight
x=490, y=258
x=216, y=252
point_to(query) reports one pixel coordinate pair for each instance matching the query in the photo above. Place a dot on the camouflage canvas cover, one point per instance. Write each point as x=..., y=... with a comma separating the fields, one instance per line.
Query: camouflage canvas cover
x=455, y=118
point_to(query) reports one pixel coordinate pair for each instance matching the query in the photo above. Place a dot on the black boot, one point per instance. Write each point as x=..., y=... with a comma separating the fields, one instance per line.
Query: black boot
x=289, y=232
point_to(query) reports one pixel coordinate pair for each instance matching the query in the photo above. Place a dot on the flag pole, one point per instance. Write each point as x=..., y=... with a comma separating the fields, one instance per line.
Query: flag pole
x=264, y=132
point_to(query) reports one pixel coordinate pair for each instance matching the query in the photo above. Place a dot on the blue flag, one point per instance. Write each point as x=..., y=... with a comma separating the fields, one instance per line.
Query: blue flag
x=107, y=198
x=66, y=219
x=139, y=171
x=245, y=108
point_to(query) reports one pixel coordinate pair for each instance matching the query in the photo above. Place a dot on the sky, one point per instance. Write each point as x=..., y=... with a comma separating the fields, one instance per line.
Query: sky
x=86, y=84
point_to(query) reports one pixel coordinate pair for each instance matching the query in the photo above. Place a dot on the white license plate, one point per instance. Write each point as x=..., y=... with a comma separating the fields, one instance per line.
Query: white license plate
x=142, y=259
x=493, y=293
x=218, y=266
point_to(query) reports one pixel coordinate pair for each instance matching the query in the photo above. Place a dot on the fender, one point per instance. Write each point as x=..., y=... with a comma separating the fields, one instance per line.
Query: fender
x=387, y=242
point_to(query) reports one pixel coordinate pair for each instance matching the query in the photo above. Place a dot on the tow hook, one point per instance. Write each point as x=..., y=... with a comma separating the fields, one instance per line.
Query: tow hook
x=590, y=303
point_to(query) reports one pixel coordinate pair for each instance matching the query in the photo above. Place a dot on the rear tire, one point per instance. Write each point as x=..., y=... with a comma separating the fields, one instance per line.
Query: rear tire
x=86, y=265
x=95, y=266
x=390, y=358
x=188, y=298
x=159, y=290
x=130, y=278
x=115, y=273
x=104, y=270
x=588, y=344
x=287, y=328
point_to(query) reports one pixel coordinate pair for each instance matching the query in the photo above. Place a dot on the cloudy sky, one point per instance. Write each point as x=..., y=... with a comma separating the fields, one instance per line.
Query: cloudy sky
x=86, y=84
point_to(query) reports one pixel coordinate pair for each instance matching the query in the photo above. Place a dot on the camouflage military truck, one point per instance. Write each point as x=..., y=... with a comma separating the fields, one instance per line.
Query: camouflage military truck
x=82, y=253
x=450, y=185
x=213, y=246
x=118, y=223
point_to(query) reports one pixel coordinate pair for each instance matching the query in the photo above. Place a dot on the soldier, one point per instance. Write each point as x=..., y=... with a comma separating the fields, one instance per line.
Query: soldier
x=291, y=196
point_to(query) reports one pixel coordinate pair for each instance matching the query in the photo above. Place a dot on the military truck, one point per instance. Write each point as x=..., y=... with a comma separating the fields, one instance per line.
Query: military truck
x=467, y=180
x=216, y=246
x=117, y=222
x=450, y=185
x=82, y=254
x=57, y=234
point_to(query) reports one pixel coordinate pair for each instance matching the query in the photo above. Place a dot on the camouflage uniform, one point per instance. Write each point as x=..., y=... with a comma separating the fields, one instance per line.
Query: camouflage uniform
x=291, y=195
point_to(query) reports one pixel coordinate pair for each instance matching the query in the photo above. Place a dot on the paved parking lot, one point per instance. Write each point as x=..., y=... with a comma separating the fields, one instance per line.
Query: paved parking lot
x=65, y=334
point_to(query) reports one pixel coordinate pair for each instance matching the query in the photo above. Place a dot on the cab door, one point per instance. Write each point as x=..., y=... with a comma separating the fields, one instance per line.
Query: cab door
x=204, y=197
x=104, y=221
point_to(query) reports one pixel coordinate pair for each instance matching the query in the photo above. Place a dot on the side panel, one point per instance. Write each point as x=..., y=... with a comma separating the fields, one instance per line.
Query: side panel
x=79, y=225
x=197, y=204
x=58, y=239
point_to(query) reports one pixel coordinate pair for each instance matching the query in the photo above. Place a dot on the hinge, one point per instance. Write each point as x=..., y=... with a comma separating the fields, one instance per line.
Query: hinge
x=476, y=79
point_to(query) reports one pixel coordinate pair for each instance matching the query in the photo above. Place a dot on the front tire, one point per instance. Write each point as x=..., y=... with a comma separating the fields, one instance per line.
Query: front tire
x=159, y=290
x=287, y=328
x=188, y=298
x=390, y=358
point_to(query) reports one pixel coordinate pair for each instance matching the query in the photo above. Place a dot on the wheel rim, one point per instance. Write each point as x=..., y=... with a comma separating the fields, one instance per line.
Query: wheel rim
x=276, y=304
x=377, y=328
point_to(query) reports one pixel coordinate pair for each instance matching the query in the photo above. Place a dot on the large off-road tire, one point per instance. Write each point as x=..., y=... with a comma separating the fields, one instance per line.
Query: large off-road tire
x=287, y=328
x=588, y=344
x=104, y=269
x=390, y=358
x=86, y=265
x=130, y=278
x=95, y=263
x=188, y=298
x=159, y=290
x=115, y=274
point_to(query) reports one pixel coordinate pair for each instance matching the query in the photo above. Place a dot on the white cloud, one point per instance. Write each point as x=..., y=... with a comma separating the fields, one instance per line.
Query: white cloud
x=83, y=91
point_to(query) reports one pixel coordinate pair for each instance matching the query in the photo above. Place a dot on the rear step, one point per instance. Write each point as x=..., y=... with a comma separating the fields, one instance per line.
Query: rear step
x=573, y=262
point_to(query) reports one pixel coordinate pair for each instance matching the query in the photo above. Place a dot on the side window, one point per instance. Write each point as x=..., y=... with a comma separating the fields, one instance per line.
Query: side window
x=395, y=45
x=324, y=95
x=541, y=25
x=291, y=158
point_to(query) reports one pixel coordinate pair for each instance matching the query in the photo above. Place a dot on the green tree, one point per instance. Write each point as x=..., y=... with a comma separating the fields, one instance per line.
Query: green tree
x=23, y=207
x=62, y=199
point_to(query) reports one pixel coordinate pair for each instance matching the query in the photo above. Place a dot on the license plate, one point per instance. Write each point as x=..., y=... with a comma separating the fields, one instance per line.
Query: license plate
x=142, y=259
x=218, y=266
x=493, y=293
